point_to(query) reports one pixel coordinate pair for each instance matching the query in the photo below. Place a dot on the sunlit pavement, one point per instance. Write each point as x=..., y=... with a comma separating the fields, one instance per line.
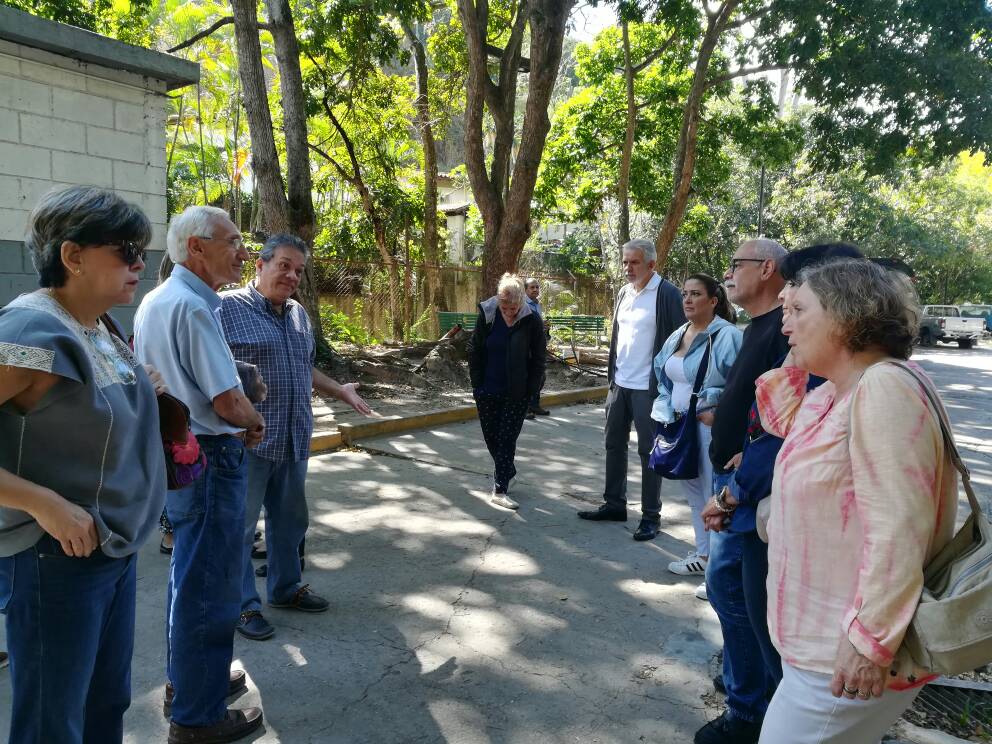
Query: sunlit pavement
x=456, y=621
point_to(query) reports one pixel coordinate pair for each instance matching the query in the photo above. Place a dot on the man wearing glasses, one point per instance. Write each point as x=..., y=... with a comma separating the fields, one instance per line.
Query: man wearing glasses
x=178, y=330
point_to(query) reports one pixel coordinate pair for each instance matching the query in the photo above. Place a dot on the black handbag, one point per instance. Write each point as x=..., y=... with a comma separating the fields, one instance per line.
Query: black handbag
x=675, y=454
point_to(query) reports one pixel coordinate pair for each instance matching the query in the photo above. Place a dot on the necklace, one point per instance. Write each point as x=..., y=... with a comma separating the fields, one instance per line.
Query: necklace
x=102, y=344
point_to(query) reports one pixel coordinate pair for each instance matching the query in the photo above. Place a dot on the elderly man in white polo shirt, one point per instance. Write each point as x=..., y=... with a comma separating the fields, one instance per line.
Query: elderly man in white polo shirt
x=648, y=311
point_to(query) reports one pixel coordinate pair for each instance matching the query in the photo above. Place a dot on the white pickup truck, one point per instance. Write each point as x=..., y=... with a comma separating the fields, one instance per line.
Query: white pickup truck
x=945, y=323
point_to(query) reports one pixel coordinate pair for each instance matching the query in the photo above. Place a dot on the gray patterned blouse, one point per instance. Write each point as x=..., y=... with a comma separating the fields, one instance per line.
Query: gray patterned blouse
x=93, y=438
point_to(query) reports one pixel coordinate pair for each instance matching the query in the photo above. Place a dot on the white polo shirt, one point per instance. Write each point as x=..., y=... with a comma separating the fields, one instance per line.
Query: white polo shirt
x=636, y=324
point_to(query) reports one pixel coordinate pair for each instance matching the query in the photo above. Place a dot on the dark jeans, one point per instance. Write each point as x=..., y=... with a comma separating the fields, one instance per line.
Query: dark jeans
x=623, y=407
x=281, y=486
x=204, y=596
x=501, y=418
x=735, y=586
x=70, y=635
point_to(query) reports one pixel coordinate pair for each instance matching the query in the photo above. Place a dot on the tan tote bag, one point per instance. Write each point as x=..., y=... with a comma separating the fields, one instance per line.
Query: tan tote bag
x=951, y=631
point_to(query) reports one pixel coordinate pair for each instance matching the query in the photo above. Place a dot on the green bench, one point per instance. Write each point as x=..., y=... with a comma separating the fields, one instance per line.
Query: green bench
x=447, y=321
x=589, y=325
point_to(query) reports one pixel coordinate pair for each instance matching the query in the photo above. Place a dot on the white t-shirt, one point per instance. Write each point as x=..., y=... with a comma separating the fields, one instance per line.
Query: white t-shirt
x=681, y=386
x=636, y=325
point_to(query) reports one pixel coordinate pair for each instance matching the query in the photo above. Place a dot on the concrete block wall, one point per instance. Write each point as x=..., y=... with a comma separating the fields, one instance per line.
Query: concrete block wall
x=66, y=122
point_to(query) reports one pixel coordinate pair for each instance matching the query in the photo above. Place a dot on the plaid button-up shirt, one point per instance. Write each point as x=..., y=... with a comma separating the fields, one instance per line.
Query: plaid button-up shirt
x=282, y=347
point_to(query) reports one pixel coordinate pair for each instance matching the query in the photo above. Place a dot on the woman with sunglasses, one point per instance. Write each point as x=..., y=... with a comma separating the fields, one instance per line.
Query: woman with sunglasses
x=82, y=476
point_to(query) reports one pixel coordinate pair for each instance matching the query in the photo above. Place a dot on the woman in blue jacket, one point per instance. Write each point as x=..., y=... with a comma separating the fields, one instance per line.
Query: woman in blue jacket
x=711, y=323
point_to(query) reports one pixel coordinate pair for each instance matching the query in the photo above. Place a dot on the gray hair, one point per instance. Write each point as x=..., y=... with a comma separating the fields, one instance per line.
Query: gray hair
x=512, y=287
x=194, y=221
x=646, y=247
x=872, y=307
x=767, y=249
x=85, y=215
x=275, y=242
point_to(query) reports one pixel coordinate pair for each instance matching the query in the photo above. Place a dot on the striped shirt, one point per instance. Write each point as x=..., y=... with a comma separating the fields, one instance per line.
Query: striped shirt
x=282, y=346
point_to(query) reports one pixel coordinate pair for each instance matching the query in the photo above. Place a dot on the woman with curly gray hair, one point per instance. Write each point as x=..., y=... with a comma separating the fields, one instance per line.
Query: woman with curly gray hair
x=82, y=470
x=864, y=495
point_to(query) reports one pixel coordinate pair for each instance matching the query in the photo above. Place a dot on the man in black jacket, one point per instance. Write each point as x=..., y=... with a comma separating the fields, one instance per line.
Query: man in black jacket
x=648, y=311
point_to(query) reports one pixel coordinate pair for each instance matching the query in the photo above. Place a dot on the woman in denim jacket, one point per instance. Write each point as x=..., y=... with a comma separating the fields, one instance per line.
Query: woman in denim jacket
x=711, y=317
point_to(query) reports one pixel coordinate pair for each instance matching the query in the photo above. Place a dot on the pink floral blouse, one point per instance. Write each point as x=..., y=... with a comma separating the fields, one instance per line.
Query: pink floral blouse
x=864, y=495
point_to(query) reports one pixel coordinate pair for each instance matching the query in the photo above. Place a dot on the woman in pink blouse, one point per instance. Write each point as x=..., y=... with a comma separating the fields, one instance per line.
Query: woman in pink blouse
x=864, y=496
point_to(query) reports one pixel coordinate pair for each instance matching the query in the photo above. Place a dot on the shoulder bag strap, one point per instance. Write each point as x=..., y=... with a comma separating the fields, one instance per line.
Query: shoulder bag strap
x=704, y=365
x=945, y=427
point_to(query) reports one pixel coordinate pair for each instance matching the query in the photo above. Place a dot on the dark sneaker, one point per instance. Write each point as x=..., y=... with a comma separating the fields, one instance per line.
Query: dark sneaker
x=728, y=730
x=255, y=627
x=235, y=684
x=646, y=530
x=605, y=514
x=540, y=411
x=304, y=600
x=529, y=415
x=237, y=724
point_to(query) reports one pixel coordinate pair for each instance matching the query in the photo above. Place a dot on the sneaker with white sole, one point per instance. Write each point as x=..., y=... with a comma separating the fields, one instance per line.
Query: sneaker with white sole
x=692, y=565
x=501, y=499
x=701, y=592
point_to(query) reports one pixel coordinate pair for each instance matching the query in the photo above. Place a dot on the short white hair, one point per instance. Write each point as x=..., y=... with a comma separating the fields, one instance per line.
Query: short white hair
x=196, y=220
x=511, y=287
x=646, y=247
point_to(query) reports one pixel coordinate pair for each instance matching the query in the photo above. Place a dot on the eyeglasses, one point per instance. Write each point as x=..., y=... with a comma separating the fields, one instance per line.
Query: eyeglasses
x=111, y=356
x=236, y=243
x=130, y=251
x=735, y=263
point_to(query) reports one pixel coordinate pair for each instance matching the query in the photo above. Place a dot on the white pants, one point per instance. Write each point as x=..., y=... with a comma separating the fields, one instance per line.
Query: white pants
x=698, y=490
x=803, y=711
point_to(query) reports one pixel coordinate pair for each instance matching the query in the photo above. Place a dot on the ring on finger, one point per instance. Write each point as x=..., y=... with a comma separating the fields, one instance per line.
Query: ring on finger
x=851, y=691
x=864, y=695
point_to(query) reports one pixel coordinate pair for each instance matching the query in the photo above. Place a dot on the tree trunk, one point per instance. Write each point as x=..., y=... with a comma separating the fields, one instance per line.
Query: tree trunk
x=265, y=160
x=301, y=216
x=685, y=160
x=505, y=207
x=623, y=181
x=432, y=258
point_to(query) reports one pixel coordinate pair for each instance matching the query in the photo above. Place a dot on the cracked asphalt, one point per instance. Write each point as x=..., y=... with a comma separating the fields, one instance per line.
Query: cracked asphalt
x=455, y=621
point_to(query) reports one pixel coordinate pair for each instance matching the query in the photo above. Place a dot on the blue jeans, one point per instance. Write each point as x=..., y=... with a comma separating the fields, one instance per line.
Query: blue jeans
x=735, y=586
x=70, y=635
x=281, y=486
x=204, y=596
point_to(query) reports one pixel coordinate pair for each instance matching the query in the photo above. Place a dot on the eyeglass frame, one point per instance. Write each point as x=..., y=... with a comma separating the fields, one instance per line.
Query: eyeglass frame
x=236, y=243
x=735, y=262
x=129, y=251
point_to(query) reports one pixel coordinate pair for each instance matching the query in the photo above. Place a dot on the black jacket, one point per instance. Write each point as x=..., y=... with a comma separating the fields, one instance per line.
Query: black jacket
x=668, y=317
x=526, y=349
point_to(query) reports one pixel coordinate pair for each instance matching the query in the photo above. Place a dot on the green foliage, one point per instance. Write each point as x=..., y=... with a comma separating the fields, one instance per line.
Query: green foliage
x=126, y=20
x=339, y=326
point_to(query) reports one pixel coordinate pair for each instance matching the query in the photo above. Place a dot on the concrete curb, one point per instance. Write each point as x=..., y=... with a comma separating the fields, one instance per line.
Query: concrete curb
x=348, y=434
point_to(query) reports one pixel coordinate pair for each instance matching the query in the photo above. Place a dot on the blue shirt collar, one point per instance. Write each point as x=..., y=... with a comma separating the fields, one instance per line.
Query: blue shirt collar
x=200, y=287
x=264, y=303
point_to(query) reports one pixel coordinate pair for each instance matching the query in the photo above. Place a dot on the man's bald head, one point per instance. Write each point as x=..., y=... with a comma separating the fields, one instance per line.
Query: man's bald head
x=766, y=248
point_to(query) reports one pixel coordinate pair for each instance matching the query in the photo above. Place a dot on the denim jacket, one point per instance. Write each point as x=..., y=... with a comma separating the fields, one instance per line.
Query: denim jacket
x=725, y=347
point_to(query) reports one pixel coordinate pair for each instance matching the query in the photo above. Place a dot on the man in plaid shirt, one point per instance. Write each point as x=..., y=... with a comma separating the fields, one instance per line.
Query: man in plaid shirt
x=264, y=327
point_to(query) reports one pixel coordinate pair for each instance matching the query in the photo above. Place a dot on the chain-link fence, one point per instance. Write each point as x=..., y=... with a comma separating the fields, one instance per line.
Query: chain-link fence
x=363, y=303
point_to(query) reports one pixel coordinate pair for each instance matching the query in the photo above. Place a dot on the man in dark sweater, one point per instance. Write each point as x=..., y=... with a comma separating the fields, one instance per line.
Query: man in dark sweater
x=648, y=311
x=753, y=282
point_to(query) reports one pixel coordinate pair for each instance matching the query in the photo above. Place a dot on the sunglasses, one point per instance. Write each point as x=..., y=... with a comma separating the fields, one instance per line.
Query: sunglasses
x=130, y=251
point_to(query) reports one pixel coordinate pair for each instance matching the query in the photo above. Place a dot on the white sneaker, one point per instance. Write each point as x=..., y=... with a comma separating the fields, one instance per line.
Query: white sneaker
x=692, y=565
x=501, y=499
x=701, y=592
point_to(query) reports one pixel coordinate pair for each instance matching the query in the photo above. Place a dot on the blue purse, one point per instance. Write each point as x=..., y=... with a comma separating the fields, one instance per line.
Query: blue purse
x=675, y=454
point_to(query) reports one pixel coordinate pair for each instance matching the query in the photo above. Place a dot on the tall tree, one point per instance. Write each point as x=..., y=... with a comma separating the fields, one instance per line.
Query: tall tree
x=503, y=191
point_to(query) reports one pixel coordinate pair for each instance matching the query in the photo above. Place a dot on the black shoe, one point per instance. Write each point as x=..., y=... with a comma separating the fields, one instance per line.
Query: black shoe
x=728, y=730
x=303, y=600
x=540, y=411
x=237, y=724
x=529, y=416
x=254, y=627
x=235, y=684
x=646, y=530
x=605, y=513
x=718, y=684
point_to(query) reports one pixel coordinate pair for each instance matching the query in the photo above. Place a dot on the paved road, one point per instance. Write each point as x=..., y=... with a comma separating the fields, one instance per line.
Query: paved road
x=453, y=621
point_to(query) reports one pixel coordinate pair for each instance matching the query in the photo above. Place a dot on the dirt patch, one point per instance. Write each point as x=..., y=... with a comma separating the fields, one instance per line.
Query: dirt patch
x=402, y=380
